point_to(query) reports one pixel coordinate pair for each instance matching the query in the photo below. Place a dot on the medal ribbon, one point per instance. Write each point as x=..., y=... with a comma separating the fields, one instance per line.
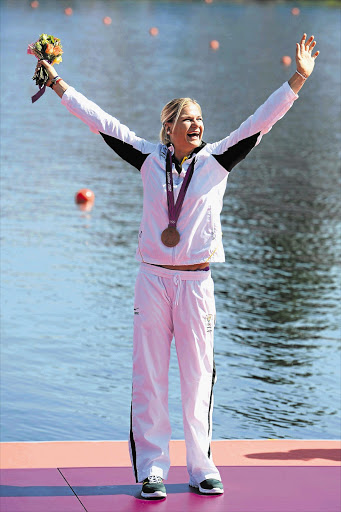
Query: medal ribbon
x=174, y=209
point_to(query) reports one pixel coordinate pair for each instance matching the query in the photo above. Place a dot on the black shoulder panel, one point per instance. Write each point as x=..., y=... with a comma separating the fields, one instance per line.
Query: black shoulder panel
x=126, y=151
x=235, y=154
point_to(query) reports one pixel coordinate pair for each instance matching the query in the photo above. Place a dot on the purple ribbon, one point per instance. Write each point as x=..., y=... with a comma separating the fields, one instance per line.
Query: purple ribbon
x=174, y=209
x=39, y=93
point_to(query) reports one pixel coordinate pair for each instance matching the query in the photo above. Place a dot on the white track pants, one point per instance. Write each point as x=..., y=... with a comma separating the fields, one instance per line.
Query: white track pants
x=181, y=304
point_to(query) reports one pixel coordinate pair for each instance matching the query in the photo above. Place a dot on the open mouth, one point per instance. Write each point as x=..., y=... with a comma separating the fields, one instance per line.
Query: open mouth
x=193, y=135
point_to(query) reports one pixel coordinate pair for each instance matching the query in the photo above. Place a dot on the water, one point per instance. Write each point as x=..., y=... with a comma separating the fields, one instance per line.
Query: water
x=68, y=276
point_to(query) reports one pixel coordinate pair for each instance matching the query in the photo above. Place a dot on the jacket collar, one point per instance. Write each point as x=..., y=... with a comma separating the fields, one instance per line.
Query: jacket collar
x=194, y=152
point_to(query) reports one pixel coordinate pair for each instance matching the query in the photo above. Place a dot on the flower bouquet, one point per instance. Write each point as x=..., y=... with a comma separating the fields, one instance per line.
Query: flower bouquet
x=47, y=48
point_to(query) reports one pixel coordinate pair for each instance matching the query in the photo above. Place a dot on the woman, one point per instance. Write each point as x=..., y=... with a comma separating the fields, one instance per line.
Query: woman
x=180, y=235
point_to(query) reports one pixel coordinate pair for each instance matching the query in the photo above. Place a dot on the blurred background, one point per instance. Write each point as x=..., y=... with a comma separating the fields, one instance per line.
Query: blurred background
x=67, y=275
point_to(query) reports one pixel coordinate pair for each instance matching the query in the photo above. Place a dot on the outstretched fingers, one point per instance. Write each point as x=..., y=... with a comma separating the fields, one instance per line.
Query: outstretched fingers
x=309, y=42
x=302, y=42
x=298, y=50
x=306, y=45
x=310, y=48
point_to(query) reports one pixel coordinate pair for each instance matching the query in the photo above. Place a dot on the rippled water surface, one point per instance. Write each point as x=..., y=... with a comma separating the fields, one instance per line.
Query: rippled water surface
x=68, y=276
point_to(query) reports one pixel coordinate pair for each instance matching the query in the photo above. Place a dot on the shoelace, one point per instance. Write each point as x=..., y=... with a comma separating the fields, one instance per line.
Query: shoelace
x=155, y=479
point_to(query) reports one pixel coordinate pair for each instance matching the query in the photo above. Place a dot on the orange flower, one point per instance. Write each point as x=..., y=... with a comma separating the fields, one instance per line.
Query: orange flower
x=57, y=50
x=49, y=48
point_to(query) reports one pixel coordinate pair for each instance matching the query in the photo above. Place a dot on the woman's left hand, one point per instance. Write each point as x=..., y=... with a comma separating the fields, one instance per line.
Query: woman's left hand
x=305, y=61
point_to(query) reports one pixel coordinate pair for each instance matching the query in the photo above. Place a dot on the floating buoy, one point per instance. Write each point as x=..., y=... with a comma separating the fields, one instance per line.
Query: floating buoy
x=84, y=195
x=214, y=45
x=68, y=11
x=286, y=60
x=107, y=20
x=34, y=4
x=208, y=1
x=295, y=11
x=153, y=31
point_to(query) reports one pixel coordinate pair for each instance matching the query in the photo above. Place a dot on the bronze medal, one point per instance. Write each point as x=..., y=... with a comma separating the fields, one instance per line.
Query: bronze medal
x=170, y=236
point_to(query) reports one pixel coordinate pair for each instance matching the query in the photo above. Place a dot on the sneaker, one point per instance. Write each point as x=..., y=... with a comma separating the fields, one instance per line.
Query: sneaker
x=153, y=487
x=209, y=486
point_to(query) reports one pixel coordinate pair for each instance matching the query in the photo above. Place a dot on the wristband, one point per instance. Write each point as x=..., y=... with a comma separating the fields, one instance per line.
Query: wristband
x=54, y=81
x=302, y=76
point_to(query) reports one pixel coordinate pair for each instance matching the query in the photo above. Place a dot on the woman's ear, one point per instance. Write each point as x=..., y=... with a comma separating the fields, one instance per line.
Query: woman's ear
x=168, y=128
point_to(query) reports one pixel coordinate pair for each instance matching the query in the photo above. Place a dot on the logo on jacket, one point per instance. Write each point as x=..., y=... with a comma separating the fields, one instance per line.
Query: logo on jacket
x=163, y=151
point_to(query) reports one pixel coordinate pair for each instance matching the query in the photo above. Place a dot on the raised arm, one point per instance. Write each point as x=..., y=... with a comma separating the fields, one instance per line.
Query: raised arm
x=234, y=148
x=305, y=62
x=119, y=137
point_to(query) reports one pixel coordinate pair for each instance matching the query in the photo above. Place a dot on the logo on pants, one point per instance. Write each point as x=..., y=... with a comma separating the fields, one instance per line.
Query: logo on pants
x=209, y=321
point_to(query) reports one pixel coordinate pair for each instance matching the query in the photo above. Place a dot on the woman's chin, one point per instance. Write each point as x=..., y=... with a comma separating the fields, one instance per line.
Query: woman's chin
x=194, y=143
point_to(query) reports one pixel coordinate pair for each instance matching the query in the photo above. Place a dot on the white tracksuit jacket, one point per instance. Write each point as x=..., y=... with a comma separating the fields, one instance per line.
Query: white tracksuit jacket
x=199, y=221
x=177, y=304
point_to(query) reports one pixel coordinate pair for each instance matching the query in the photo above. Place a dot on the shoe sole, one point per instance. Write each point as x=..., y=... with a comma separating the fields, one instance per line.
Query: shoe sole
x=156, y=494
x=215, y=490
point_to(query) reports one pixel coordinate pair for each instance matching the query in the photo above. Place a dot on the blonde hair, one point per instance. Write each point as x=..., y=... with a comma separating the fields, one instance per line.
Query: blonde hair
x=170, y=114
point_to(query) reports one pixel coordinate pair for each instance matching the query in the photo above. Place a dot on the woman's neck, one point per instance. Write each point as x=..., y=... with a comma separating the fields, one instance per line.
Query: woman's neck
x=180, y=155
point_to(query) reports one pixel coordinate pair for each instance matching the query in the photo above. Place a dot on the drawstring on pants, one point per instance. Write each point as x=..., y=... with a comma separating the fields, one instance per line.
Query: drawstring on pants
x=177, y=282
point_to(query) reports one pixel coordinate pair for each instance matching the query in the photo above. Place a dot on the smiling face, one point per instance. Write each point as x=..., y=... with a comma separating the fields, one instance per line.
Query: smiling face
x=186, y=134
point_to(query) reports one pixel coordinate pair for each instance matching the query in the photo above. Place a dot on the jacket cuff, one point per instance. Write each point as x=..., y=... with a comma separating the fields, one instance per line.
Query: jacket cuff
x=291, y=94
x=68, y=95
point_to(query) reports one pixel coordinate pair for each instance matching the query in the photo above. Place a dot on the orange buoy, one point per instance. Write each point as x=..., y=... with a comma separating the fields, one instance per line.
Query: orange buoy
x=84, y=195
x=107, y=20
x=153, y=31
x=214, y=45
x=34, y=4
x=208, y=1
x=68, y=11
x=286, y=60
x=295, y=11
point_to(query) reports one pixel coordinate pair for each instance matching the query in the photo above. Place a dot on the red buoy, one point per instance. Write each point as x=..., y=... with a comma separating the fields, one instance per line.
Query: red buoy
x=286, y=60
x=153, y=31
x=214, y=45
x=35, y=4
x=68, y=11
x=107, y=20
x=295, y=11
x=84, y=195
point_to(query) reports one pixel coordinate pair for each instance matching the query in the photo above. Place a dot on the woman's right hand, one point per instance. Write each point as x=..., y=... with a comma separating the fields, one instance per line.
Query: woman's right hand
x=50, y=70
x=61, y=86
